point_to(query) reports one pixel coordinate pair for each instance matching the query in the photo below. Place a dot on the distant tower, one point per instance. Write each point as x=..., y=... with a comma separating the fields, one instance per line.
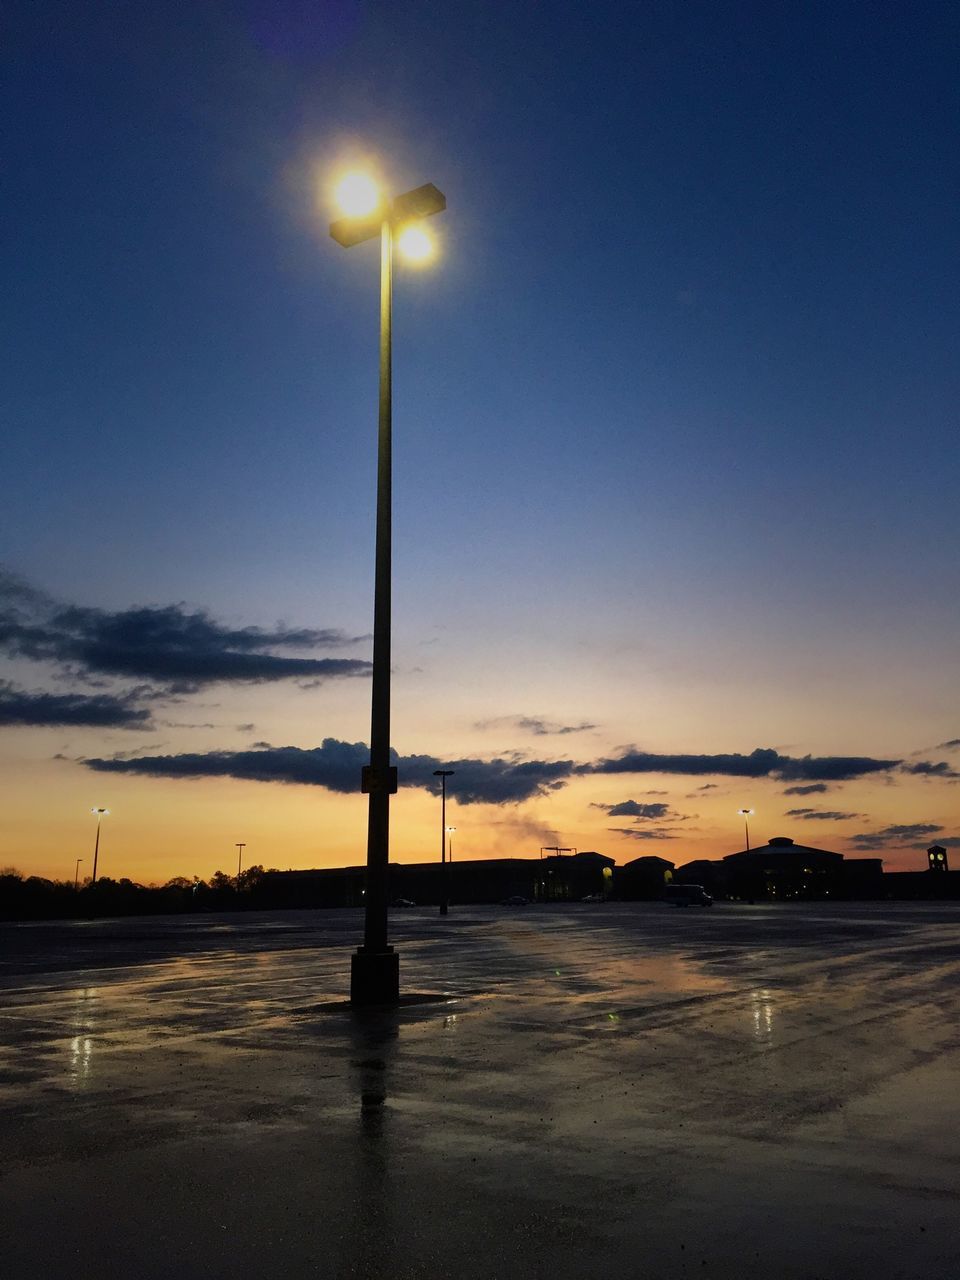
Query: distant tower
x=937, y=858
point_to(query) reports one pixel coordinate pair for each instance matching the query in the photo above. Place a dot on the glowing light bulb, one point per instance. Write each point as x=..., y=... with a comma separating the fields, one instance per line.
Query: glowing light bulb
x=357, y=194
x=415, y=244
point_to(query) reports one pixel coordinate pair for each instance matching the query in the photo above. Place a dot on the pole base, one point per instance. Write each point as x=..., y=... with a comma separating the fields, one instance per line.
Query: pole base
x=443, y=908
x=374, y=977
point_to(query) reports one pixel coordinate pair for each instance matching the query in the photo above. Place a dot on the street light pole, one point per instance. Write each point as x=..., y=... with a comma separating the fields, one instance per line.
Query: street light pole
x=96, y=848
x=241, y=845
x=76, y=876
x=745, y=814
x=443, y=775
x=379, y=960
x=450, y=831
x=375, y=966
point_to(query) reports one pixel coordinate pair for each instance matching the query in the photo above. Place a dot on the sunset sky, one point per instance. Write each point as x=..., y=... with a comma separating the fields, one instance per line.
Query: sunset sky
x=675, y=410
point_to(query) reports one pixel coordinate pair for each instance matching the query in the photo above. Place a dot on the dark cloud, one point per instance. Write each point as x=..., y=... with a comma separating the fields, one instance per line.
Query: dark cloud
x=821, y=815
x=645, y=833
x=948, y=842
x=635, y=809
x=949, y=746
x=764, y=762
x=101, y=710
x=497, y=781
x=336, y=765
x=502, y=780
x=814, y=788
x=534, y=724
x=931, y=769
x=897, y=836
x=168, y=645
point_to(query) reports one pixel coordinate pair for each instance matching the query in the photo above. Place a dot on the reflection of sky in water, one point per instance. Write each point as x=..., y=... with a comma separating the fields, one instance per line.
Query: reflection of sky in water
x=761, y=1007
x=81, y=1041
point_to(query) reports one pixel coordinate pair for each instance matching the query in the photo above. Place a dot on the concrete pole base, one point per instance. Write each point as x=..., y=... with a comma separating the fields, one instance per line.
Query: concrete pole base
x=374, y=977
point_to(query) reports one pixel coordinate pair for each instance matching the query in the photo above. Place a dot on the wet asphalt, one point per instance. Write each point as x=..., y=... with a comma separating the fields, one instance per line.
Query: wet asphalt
x=626, y=1090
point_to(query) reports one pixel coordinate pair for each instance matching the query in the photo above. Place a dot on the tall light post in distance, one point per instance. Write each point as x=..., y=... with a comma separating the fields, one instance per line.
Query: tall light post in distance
x=443, y=775
x=76, y=876
x=101, y=813
x=745, y=815
x=375, y=966
x=450, y=831
x=241, y=845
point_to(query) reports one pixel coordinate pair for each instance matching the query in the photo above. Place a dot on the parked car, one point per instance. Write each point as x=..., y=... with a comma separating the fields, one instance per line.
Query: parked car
x=687, y=895
x=517, y=900
x=593, y=897
x=402, y=902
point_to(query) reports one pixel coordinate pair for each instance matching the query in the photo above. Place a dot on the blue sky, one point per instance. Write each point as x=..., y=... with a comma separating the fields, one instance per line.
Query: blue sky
x=675, y=411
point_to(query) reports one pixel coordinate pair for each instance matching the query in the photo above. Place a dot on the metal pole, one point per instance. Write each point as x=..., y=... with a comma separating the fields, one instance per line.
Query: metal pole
x=76, y=876
x=443, y=845
x=96, y=851
x=746, y=829
x=241, y=845
x=375, y=968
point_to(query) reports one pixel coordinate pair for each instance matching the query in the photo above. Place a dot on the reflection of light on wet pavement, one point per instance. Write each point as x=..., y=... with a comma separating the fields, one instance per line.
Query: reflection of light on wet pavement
x=81, y=1042
x=450, y=1022
x=81, y=1052
x=761, y=1000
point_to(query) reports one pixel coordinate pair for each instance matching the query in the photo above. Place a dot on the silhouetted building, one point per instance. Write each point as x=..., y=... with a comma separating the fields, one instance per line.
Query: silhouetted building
x=568, y=879
x=643, y=878
x=937, y=858
x=784, y=870
x=553, y=879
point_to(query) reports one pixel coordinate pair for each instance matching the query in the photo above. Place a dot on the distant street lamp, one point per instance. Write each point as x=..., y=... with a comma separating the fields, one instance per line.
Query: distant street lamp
x=745, y=815
x=241, y=845
x=375, y=966
x=76, y=876
x=450, y=831
x=101, y=813
x=443, y=775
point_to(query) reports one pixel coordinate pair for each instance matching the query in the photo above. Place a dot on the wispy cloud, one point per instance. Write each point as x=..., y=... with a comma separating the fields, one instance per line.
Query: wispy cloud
x=898, y=836
x=645, y=833
x=821, y=815
x=534, y=724
x=520, y=830
x=931, y=769
x=811, y=789
x=546, y=728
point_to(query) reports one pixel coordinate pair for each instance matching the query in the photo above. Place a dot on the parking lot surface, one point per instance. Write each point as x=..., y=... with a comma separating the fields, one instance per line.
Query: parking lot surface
x=619, y=1090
